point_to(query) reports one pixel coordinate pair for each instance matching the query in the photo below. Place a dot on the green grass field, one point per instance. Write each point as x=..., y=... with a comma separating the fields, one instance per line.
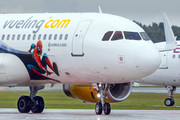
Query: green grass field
x=57, y=99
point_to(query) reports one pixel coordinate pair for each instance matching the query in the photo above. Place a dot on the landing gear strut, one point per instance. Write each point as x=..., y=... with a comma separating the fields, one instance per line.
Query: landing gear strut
x=170, y=101
x=32, y=103
x=100, y=106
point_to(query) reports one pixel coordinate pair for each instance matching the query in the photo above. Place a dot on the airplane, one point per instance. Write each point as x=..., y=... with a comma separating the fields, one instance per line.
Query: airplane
x=75, y=49
x=167, y=74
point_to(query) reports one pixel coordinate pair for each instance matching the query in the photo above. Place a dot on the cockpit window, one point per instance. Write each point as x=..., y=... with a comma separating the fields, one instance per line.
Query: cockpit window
x=107, y=36
x=132, y=35
x=117, y=36
x=144, y=36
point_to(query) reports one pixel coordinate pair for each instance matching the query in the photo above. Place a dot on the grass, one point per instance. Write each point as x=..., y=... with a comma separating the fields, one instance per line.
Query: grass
x=58, y=100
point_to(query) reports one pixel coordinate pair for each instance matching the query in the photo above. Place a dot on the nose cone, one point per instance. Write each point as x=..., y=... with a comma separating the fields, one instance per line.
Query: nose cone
x=147, y=59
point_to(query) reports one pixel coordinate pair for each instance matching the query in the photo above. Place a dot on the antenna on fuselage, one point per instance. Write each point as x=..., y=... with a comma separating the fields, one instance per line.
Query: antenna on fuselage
x=100, y=11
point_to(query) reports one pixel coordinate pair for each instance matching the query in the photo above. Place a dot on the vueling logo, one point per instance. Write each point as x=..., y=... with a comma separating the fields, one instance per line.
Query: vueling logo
x=29, y=23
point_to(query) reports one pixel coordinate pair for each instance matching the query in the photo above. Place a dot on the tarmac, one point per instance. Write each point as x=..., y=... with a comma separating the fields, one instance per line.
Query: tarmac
x=86, y=114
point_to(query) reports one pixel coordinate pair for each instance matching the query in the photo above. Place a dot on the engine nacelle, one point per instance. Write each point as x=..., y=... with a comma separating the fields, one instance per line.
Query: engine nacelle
x=12, y=70
x=119, y=92
x=85, y=92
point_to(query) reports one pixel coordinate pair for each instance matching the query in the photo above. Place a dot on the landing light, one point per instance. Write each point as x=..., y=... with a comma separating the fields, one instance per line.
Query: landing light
x=98, y=95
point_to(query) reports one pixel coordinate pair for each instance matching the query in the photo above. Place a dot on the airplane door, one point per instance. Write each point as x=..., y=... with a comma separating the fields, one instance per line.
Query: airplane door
x=78, y=38
x=163, y=61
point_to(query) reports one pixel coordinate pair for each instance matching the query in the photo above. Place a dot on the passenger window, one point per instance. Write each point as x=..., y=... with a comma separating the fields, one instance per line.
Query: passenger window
x=18, y=37
x=44, y=38
x=29, y=37
x=178, y=56
x=117, y=36
x=174, y=56
x=34, y=36
x=39, y=37
x=55, y=36
x=8, y=37
x=3, y=37
x=107, y=36
x=13, y=37
x=50, y=36
x=60, y=37
x=66, y=37
x=23, y=37
x=144, y=36
x=132, y=35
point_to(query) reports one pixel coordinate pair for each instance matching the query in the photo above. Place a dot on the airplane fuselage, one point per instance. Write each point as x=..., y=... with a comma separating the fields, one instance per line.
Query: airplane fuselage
x=75, y=43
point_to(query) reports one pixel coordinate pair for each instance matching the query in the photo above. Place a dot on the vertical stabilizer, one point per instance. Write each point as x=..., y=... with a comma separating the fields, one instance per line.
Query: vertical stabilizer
x=169, y=35
x=100, y=11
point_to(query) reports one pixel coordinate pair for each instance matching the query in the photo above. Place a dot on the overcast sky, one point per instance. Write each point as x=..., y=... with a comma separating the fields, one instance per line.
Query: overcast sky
x=144, y=11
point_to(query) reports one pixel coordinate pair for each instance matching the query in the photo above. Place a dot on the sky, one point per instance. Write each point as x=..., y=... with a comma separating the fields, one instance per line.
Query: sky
x=144, y=11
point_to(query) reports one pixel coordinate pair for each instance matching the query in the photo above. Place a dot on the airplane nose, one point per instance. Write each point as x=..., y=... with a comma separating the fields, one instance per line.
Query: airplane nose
x=147, y=59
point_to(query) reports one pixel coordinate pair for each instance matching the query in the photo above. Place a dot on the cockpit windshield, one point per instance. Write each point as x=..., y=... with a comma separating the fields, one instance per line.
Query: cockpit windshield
x=132, y=35
x=117, y=36
x=144, y=36
x=107, y=36
x=120, y=35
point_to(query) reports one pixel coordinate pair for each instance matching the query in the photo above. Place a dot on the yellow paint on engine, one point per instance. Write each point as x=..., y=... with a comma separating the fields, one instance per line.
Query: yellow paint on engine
x=85, y=93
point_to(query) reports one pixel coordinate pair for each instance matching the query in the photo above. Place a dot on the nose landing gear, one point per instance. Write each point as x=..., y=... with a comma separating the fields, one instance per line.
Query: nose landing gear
x=100, y=106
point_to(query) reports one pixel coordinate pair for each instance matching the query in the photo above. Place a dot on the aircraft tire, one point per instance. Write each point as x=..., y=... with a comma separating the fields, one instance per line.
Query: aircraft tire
x=38, y=106
x=24, y=104
x=98, y=108
x=107, y=108
x=169, y=102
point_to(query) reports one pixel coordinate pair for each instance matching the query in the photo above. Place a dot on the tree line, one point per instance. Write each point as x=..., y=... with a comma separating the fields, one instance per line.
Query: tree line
x=156, y=31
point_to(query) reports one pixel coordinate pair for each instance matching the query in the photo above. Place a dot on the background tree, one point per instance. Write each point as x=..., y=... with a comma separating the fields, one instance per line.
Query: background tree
x=156, y=31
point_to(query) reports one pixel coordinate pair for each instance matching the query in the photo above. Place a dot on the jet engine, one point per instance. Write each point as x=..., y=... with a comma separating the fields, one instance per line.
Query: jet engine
x=12, y=70
x=85, y=92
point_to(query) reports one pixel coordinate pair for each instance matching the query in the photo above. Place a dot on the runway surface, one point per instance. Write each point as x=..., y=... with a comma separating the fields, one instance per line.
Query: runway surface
x=83, y=114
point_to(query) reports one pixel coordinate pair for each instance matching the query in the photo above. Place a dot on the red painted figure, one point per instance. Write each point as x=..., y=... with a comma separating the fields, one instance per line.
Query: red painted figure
x=41, y=64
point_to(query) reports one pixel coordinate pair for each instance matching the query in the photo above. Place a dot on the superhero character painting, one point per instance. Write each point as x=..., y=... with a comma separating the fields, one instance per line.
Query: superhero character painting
x=40, y=64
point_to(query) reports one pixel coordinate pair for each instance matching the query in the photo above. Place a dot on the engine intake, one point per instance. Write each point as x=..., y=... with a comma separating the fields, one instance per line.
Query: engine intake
x=119, y=92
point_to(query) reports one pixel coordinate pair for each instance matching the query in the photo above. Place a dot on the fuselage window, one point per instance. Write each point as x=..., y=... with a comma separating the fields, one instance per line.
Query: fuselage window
x=117, y=36
x=29, y=37
x=18, y=37
x=8, y=37
x=66, y=37
x=50, y=36
x=3, y=37
x=34, y=36
x=55, y=36
x=178, y=56
x=144, y=36
x=107, y=36
x=23, y=38
x=13, y=37
x=44, y=38
x=174, y=56
x=60, y=37
x=39, y=37
x=132, y=35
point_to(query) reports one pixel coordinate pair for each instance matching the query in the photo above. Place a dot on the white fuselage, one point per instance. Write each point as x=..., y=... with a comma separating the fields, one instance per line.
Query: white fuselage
x=168, y=73
x=74, y=42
